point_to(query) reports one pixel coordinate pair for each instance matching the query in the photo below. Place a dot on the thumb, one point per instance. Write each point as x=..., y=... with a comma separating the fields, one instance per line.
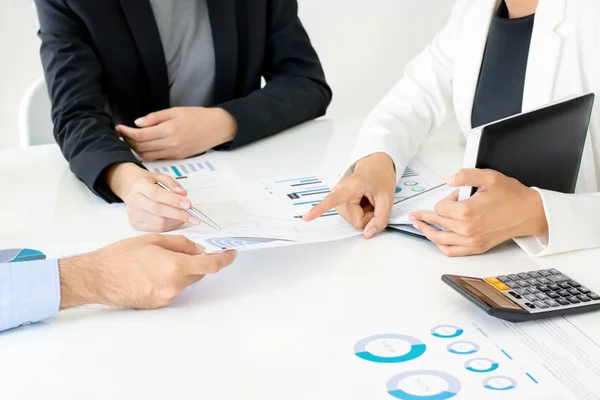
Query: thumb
x=472, y=177
x=155, y=118
x=381, y=216
x=179, y=244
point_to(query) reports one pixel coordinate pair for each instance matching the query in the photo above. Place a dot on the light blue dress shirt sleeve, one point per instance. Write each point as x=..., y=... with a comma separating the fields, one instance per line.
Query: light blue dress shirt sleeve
x=29, y=292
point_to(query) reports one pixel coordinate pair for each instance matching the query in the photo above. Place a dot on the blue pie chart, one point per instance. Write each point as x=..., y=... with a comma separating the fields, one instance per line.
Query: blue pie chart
x=463, y=347
x=20, y=255
x=446, y=331
x=425, y=388
x=481, y=365
x=389, y=353
x=499, y=383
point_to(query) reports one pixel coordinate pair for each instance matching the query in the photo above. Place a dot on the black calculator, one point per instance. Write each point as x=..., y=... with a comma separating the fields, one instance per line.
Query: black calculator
x=527, y=295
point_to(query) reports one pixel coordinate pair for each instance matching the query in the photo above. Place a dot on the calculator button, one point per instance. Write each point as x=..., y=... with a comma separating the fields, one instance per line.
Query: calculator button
x=502, y=278
x=492, y=280
x=529, y=305
x=512, y=277
x=533, y=290
x=523, y=275
x=522, y=282
x=554, y=271
x=544, y=281
x=551, y=303
x=534, y=274
x=532, y=281
x=512, y=284
x=552, y=295
x=522, y=291
x=593, y=296
x=573, y=300
x=515, y=295
x=554, y=287
x=563, y=302
x=583, y=298
x=501, y=286
x=540, y=304
x=559, y=278
x=564, y=285
x=584, y=290
x=541, y=296
x=574, y=291
x=574, y=283
x=543, y=272
x=531, y=297
x=543, y=288
x=563, y=293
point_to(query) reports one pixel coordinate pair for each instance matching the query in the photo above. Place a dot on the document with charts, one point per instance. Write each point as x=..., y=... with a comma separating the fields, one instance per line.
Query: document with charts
x=462, y=356
x=267, y=212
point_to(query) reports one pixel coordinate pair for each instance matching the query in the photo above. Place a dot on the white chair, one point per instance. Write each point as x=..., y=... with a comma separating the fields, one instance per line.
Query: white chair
x=35, y=121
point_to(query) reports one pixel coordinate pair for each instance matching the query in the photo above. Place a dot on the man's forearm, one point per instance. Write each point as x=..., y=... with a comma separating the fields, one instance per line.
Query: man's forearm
x=76, y=282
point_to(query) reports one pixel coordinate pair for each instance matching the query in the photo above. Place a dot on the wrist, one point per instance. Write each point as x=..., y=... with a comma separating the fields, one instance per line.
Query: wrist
x=378, y=160
x=120, y=178
x=535, y=222
x=75, y=283
x=228, y=124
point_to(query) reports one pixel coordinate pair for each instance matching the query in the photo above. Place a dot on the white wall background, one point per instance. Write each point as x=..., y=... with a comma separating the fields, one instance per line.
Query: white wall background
x=364, y=46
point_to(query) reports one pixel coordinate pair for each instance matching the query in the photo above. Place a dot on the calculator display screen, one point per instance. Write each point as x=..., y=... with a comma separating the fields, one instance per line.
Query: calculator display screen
x=486, y=293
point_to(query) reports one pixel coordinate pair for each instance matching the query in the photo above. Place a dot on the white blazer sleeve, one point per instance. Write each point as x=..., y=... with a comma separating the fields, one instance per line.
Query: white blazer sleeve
x=573, y=224
x=419, y=103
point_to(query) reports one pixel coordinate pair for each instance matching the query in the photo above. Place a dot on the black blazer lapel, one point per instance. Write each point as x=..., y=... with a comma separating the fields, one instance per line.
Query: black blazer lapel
x=142, y=24
x=223, y=20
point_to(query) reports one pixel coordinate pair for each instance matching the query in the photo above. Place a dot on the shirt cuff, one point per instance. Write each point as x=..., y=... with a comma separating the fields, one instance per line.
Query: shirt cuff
x=29, y=292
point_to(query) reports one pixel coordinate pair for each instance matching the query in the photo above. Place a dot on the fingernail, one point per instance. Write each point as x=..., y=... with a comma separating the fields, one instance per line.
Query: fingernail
x=140, y=121
x=180, y=190
x=412, y=217
x=371, y=232
x=185, y=204
x=194, y=221
x=450, y=180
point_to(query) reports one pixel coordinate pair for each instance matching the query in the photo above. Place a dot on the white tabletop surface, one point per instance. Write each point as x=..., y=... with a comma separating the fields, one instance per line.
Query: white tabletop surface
x=264, y=328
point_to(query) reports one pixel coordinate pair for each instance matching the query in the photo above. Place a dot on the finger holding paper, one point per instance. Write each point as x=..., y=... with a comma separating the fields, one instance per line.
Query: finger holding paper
x=501, y=209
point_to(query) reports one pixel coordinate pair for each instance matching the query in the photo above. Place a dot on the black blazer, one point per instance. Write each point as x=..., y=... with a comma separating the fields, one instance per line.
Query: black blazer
x=108, y=52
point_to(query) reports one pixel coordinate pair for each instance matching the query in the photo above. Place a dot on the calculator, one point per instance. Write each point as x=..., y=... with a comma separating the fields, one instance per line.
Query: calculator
x=527, y=295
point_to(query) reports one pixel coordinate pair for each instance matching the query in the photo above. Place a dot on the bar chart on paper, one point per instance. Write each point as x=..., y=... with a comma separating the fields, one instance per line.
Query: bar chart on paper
x=209, y=166
x=301, y=193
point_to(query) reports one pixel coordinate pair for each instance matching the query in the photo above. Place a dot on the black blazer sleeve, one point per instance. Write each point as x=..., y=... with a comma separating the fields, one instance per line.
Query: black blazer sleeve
x=296, y=90
x=83, y=128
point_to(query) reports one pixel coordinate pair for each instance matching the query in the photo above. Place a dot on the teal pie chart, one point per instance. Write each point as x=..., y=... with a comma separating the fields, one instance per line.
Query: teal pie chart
x=463, y=347
x=389, y=348
x=423, y=385
x=20, y=255
x=481, y=365
x=446, y=331
x=499, y=383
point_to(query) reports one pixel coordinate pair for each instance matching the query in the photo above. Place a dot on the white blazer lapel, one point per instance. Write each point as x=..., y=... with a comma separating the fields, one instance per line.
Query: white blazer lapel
x=544, y=53
x=472, y=40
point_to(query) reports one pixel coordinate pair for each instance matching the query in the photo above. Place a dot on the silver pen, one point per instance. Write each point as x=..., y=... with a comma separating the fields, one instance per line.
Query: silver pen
x=194, y=212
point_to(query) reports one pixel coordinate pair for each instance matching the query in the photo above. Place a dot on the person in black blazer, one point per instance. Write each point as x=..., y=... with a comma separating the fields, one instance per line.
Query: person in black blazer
x=109, y=80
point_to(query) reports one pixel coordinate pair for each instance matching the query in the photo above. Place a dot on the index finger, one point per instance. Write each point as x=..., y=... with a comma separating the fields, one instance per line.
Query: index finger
x=160, y=195
x=208, y=263
x=142, y=134
x=334, y=199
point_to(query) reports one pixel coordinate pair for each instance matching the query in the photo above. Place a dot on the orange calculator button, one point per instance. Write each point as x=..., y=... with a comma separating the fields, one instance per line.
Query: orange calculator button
x=492, y=280
x=501, y=286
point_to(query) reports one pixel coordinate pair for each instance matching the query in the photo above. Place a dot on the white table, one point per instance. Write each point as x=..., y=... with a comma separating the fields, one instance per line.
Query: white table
x=262, y=328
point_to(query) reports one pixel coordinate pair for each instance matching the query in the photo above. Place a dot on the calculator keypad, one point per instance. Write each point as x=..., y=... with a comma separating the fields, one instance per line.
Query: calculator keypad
x=544, y=289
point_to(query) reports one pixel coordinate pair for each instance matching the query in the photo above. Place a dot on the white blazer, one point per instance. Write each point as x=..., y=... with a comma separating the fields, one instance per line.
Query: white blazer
x=564, y=59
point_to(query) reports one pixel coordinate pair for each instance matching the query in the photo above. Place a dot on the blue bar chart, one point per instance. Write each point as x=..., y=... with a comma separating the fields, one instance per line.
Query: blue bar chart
x=302, y=193
x=185, y=169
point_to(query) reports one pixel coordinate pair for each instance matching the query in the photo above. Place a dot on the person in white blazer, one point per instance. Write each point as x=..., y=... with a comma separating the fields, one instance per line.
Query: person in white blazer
x=440, y=84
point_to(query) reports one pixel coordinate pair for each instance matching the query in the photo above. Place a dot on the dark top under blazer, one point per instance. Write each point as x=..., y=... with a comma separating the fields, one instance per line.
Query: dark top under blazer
x=96, y=53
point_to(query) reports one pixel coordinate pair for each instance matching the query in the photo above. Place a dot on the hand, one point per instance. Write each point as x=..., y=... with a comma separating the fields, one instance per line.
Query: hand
x=501, y=209
x=146, y=272
x=180, y=132
x=149, y=207
x=366, y=197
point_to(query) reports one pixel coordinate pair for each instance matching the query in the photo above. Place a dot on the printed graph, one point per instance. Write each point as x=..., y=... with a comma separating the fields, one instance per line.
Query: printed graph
x=301, y=193
x=183, y=170
x=226, y=243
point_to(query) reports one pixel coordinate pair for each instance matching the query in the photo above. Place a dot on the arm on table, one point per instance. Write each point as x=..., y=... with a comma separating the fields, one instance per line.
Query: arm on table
x=573, y=224
x=296, y=90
